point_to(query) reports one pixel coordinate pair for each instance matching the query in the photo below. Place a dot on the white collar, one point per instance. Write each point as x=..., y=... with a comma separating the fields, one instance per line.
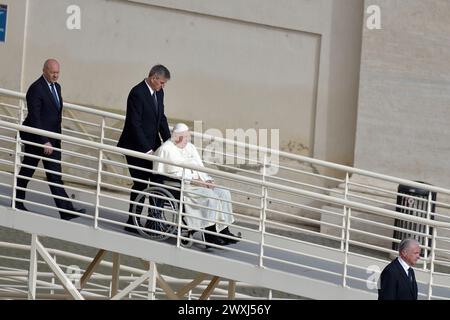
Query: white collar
x=48, y=83
x=404, y=264
x=149, y=88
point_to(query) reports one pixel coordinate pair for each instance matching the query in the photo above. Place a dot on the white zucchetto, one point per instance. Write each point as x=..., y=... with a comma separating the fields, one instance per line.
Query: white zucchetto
x=180, y=127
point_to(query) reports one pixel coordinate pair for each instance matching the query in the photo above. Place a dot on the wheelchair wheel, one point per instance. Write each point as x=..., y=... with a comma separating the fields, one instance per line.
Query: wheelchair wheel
x=164, y=208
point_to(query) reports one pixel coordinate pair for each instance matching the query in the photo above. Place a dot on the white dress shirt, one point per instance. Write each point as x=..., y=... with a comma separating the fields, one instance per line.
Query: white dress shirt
x=149, y=88
x=404, y=265
x=50, y=88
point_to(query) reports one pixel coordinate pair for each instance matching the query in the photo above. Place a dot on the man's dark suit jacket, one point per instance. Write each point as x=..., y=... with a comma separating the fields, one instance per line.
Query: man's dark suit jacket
x=395, y=285
x=43, y=111
x=143, y=123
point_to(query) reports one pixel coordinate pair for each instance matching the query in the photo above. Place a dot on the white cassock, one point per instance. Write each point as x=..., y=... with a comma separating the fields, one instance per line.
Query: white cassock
x=212, y=204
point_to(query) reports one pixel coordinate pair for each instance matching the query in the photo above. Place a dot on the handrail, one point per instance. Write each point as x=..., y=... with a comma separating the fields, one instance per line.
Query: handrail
x=306, y=159
x=318, y=196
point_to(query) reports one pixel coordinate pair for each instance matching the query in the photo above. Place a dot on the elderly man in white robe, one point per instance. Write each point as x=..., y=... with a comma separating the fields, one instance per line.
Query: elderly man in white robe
x=201, y=197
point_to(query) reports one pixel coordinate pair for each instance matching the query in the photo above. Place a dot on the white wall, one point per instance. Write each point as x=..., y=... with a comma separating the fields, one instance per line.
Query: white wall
x=291, y=65
x=404, y=114
x=11, y=50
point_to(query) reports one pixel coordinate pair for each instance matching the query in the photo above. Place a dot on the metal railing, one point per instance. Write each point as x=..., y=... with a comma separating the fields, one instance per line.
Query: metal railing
x=277, y=213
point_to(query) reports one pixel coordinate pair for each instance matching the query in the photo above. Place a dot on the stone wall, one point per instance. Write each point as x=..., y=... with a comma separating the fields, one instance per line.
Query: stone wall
x=403, y=113
x=291, y=65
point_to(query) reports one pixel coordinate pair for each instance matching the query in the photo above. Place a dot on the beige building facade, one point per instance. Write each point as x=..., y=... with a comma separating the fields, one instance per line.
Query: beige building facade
x=404, y=94
x=291, y=65
x=315, y=70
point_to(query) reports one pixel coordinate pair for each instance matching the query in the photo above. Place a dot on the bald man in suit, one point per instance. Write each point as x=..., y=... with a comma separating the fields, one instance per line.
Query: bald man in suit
x=44, y=104
x=397, y=280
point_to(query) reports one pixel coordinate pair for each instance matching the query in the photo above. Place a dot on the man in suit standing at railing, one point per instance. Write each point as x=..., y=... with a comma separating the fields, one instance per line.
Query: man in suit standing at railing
x=145, y=121
x=44, y=104
x=398, y=281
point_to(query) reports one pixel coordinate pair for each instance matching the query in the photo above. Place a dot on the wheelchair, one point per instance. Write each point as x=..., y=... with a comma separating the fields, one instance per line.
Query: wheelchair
x=163, y=211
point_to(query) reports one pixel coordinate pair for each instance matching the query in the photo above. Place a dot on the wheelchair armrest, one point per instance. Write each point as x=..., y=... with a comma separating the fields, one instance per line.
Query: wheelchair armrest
x=174, y=182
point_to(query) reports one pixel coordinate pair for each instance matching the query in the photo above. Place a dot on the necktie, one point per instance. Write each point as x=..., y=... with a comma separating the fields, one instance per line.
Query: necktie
x=410, y=275
x=155, y=101
x=55, y=95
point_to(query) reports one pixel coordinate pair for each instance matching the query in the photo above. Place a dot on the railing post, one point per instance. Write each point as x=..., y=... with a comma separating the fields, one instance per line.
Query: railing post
x=432, y=257
x=16, y=156
x=263, y=214
x=99, y=176
x=433, y=247
x=346, y=233
x=52, y=291
x=269, y=296
x=180, y=208
x=15, y=171
x=32, y=273
x=98, y=188
x=344, y=215
x=102, y=132
x=427, y=230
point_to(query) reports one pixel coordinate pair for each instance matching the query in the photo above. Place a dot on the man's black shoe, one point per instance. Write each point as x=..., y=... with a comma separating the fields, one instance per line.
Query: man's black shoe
x=215, y=239
x=21, y=206
x=227, y=232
